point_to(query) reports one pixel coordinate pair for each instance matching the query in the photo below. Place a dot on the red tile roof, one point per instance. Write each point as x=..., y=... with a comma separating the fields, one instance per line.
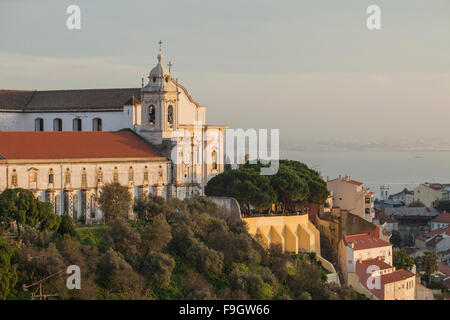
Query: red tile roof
x=375, y=262
x=396, y=275
x=436, y=232
x=365, y=241
x=74, y=145
x=444, y=268
x=442, y=217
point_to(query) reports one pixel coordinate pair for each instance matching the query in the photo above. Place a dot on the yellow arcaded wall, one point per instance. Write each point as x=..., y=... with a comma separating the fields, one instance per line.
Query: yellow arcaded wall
x=291, y=232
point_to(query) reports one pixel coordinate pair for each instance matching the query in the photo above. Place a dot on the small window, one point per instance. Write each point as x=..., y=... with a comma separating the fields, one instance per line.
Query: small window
x=151, y=115
x=51, y=177
x=170, y=115
x=57, y=211
x=214, y=160
x=97, y=124
x=39, y=124
x=57, y=124
x=77, y=124
x=67, y=175
x=154, y=79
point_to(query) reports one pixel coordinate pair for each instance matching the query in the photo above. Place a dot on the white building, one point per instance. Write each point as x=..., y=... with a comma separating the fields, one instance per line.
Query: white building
x=350, y=195
x=69, y=169
x=161, y=112
x=441, y=221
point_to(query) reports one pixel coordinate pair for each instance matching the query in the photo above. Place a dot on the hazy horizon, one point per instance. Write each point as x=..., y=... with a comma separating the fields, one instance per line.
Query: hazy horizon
x=311, y=69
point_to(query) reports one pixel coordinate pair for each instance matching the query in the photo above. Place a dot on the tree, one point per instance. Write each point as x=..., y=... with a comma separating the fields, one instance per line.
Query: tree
x=429, y=263
x=20, y=206
x=444, y=205
x=247, y=186
x=8, y=271
x=402, y=260
x=66, y=226
x=416, y=204
x=118, y=277
x=115, y=201
x=396, y=239
x=291, y=189
x=157, y=268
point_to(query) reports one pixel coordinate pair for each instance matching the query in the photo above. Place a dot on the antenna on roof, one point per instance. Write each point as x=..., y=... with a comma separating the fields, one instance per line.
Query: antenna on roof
x=142, y=82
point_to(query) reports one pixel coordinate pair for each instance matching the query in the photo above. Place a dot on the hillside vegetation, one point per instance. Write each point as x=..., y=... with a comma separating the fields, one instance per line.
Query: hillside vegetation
x=176, y=250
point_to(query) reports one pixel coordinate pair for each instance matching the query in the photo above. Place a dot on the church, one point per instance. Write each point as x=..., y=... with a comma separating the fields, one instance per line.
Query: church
x=64, y=145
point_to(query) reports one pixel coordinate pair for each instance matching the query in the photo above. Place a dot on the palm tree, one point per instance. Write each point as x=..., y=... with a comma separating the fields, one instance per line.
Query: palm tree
x=429, y=263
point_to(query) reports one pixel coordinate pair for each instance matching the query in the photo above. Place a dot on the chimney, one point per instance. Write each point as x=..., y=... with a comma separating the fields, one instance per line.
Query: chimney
x=339, y=177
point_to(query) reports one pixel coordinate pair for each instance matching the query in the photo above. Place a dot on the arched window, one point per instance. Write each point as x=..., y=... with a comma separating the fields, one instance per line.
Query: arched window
x=14, y=178
x=75, y=207
x=32, y=176
x=97, y=124
x=93, y=206
x=57, y=204
x=68, y=176
x=214, y=160
x=77, y=124
x=57, y=124
x=51, y=177
x=130, y=175
x=151, y=115
x=170, y=115
x=39, y=124
x=115, y=175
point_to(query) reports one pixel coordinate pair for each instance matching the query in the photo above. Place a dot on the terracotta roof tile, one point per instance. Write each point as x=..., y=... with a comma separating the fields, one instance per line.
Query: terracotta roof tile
x=375, y=262
x=442, y=217
x=365, y=241
x=73, y=145
x=396, y=275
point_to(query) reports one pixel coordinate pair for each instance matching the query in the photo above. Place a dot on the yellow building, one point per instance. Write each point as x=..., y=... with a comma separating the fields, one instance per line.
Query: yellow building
x=293, y=233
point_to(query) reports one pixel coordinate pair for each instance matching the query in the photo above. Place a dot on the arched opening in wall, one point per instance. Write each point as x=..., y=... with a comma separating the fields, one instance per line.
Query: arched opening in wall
x=75, y=207
x=77, y=124
x=151, y=115
x=214, y=160
x=93, y=207
x=57, y=124
x=97, y=124
x=39, y=124
x=170, y=115
x=57, y=205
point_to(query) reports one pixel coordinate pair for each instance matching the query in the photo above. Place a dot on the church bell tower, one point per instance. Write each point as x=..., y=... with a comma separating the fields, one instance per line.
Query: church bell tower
x=159, y=104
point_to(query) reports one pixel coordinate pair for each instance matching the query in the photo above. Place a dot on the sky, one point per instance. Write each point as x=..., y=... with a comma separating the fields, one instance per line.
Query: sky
x=309, y=68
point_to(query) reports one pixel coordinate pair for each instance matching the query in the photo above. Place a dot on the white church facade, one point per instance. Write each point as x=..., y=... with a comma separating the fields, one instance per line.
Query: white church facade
x=65, y=144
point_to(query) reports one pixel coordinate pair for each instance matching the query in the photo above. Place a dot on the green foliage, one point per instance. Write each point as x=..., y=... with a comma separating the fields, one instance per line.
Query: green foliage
x=157, y=269
x=114, y=201
x=429, y=263
x=8, y=273
x=396, y=239
x=184, y=249
x=416, y=204
x=444, y=205
x=402, y=260
x=247, y=186
x=91, y=236
x=66, y=226
x=294, y=185
x=20, y=206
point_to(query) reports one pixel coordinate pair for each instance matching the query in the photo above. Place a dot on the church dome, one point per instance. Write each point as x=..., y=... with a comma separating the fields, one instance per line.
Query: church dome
x=160, y=78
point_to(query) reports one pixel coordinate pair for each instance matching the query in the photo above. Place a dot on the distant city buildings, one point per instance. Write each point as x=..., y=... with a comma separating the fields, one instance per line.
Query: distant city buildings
x=441, y=221
x=405, y=196
x=429, y=193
